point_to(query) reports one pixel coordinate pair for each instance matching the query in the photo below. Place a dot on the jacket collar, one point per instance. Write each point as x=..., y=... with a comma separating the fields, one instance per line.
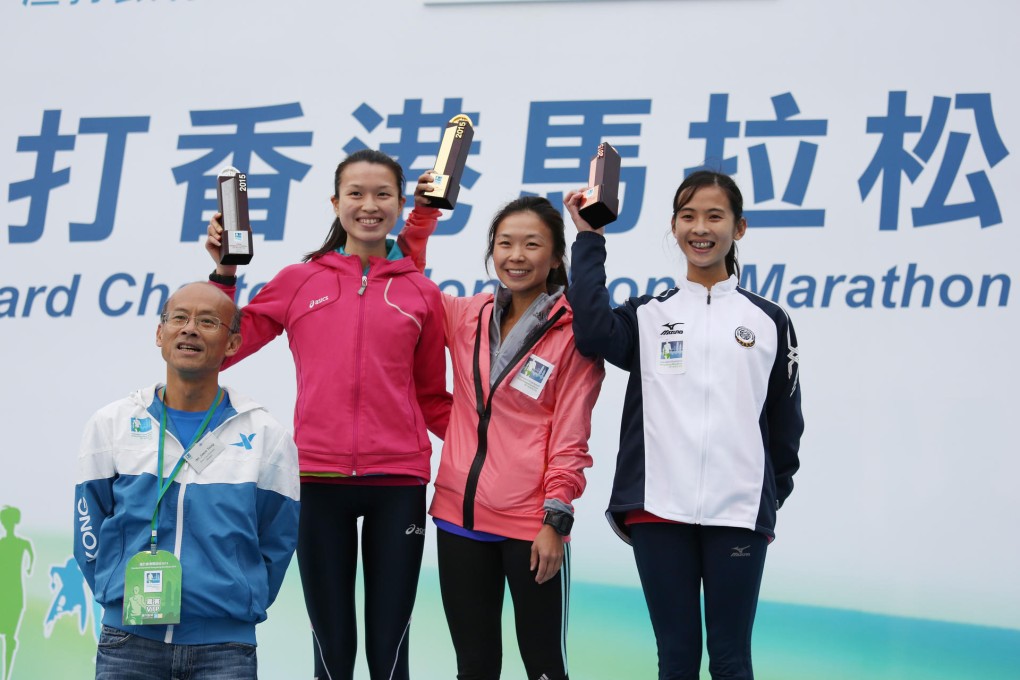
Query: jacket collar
x=145, y=398
x=557, y=300
x=721, y=288
x=351, y=265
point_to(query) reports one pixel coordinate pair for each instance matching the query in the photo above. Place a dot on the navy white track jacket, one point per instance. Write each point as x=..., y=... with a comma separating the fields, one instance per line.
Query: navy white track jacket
x=711, y=418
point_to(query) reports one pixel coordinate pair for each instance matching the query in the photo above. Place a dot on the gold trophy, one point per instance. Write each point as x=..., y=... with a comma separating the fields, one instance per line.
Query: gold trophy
x=453, y=153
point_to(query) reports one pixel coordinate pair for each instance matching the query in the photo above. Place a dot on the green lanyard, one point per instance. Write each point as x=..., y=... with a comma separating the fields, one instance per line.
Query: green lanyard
x=161, y=488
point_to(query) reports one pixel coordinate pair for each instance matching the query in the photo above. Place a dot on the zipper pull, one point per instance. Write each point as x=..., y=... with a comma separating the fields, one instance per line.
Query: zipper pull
x=709, y=297
x=364, y=284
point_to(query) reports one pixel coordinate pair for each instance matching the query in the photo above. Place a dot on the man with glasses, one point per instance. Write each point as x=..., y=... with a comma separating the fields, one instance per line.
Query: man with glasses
x=186, y=501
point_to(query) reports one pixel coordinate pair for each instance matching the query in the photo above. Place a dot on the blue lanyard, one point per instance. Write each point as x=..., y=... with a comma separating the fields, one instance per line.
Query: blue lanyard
x=161, y=488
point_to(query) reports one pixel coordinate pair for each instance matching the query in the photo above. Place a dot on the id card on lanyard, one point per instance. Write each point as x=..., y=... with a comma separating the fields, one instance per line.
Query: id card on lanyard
x=152, y=579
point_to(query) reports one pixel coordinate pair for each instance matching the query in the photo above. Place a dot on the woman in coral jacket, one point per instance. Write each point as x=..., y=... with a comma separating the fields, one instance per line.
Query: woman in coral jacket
x=516, y=449
x=366, y=331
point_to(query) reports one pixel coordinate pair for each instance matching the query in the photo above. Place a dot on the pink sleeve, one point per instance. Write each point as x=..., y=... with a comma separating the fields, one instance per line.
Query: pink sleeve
x=430, y=369
x=261, y=319
x=414, y=237
x=577, y=390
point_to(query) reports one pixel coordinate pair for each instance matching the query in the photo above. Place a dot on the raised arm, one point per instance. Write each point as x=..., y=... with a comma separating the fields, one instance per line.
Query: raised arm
x=213, y=239
x=430, y=368
x=599, y=330
x=261, y=322
x=420, y=225
x=263, y=318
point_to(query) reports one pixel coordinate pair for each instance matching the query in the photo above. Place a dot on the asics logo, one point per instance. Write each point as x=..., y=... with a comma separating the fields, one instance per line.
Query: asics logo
x=245, y=441
x=420, y=531
x=312, y=303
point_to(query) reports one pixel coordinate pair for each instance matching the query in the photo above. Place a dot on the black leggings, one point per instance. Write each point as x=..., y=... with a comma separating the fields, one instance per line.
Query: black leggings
x=472, y=575
x=392, y=540
x=674, y=562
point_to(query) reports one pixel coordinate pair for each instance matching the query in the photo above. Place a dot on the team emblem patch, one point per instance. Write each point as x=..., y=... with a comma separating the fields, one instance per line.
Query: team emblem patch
x=745, y=336
x=141, y=425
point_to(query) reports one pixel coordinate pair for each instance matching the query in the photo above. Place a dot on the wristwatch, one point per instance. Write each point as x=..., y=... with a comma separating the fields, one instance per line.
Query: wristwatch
x=561, y=522
x=223, y=280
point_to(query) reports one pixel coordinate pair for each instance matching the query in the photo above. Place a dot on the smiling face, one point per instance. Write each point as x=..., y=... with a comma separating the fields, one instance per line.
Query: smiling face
x=523, y=254
x=705, y=228
x=190, y=353
x=367, y=203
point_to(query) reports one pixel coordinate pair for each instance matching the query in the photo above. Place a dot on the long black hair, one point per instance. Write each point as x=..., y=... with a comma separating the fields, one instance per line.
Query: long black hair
x=551, y=218
x=337, y=237
x=705, y=178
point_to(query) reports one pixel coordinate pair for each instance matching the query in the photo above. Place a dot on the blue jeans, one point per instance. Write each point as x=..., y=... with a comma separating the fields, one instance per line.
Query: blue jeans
x=123, y=656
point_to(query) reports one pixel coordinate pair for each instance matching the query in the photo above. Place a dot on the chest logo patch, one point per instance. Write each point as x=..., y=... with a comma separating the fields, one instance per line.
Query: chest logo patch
x=744, y=336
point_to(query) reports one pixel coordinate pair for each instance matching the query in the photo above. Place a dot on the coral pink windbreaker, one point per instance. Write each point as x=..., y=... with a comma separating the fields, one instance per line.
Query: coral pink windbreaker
x=536, y=448
x=369, y=357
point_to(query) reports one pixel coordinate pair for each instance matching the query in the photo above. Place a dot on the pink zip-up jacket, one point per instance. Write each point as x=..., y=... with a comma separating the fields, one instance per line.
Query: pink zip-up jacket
x=536, y=447
x=369, y=357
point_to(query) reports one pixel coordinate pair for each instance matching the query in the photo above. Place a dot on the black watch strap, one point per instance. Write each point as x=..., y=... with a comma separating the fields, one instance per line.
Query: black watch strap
x=223, y=280
x=561, y=522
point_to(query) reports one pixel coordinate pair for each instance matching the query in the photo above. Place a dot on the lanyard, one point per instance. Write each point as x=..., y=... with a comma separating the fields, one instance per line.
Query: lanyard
x=161, y=488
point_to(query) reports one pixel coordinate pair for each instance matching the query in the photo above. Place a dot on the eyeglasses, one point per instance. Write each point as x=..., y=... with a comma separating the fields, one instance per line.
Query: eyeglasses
x=204, y=323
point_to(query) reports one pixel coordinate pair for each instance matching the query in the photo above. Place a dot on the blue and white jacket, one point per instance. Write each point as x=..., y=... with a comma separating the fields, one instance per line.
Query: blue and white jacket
x=711, y=418
x=233, y=527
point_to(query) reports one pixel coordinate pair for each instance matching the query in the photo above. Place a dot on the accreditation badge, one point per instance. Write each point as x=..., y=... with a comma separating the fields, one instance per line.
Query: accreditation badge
x=533, y=376
x=671, y=357
x=204, y=452
x=152, y=589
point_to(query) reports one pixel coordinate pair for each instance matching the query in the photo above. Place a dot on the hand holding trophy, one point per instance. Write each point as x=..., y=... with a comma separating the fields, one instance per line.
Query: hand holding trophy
x=232, y=195
x=602, y=197
x=453, y=153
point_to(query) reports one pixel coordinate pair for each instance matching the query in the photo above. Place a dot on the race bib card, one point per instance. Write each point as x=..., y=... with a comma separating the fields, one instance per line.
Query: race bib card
x=671, y=357
x=204, y=452
x=152, y=589
x=533, y=376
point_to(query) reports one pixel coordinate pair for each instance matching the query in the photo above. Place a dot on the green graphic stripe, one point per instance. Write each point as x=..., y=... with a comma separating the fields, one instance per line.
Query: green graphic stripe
x=610, y=638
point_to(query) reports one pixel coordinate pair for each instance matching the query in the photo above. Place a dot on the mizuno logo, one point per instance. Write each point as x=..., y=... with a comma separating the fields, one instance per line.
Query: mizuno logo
x=739, y=552
x=671, y=328
x=245, y=441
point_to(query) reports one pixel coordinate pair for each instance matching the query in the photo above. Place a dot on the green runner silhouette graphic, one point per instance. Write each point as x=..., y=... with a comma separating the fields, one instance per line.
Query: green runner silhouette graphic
x=13, y=551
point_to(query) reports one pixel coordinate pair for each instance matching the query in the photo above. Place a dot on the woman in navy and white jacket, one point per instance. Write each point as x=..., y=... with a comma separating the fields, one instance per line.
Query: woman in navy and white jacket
x=711, y=427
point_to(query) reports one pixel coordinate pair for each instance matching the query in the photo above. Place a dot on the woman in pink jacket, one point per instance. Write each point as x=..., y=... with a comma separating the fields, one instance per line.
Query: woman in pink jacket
x=366, y=331
x=516, y=448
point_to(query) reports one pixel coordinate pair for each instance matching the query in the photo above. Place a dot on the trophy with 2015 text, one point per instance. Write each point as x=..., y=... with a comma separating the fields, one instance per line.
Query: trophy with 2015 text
x=453, y=153
x=602, y=197
x=232, y=196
